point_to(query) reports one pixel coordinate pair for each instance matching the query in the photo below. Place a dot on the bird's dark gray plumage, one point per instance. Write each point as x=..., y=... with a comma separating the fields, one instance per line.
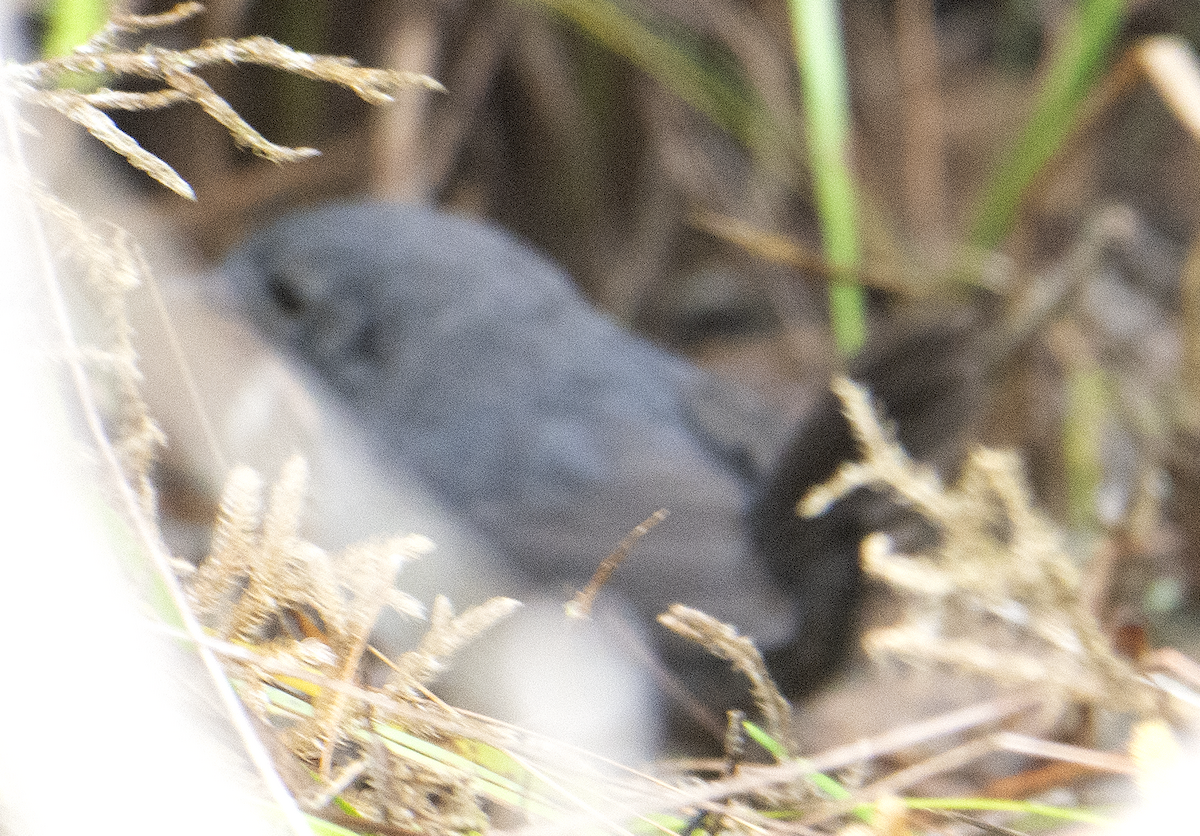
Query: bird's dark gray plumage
x=475, y=362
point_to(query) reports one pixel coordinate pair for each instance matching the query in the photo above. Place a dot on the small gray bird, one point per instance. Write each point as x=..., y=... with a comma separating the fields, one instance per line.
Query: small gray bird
x=474, y=362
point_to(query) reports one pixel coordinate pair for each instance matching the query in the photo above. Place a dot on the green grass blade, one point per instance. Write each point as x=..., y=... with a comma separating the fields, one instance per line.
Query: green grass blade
x=1078, y=62
x=324, y=828
x=821, y=58
x=829, y=786
x=69, y=23
x=759, y=736
x=703, y=76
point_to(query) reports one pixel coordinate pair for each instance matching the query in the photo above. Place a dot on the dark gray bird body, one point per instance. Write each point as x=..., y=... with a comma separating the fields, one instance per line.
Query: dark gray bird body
x=475, y=362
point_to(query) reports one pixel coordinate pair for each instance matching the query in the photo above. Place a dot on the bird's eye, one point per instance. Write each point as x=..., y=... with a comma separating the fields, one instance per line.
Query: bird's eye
x=285, y=295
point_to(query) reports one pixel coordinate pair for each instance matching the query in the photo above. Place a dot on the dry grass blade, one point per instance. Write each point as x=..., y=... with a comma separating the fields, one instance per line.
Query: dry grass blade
x=999, y=579
x=232, y=551
x=197, y=90
x=113, y=266
x=373, y=567
x=581, y=605
x=447, y=634
x=138, y=23
x=80, y=111
x=369, y=84
x=785, y=249
x=1114, y=762
x=262, y=581
x=39, y=82
x=724, y=642
x=1170, y=64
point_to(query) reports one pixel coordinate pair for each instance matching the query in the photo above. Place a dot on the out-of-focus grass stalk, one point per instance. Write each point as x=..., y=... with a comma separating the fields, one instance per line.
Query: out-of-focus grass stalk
x=821, y=58
x=301, y=101
x=70, y=23
x=1076, y=64
x=715, y=89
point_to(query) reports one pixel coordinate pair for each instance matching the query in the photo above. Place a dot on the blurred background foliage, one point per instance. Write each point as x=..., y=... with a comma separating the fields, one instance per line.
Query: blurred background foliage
x=707, y=169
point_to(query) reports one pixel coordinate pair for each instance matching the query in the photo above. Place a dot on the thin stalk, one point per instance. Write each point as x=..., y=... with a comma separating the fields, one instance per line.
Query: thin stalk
x=1077, y=63
x=820, y=55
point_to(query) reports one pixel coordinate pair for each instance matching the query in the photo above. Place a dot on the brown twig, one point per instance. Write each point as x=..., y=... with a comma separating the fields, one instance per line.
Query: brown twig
x=581, y=605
